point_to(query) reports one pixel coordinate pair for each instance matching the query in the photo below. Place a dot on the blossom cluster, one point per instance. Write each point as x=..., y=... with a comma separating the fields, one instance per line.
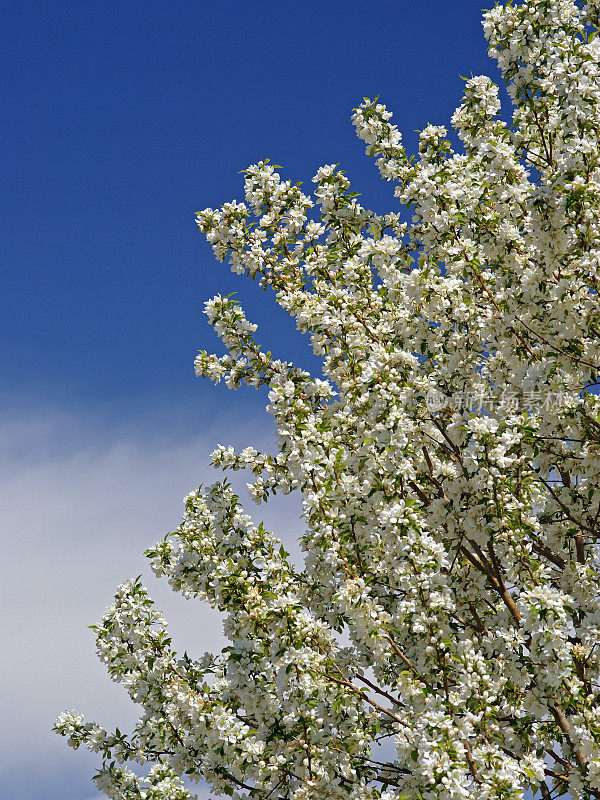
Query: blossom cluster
x=447, y=613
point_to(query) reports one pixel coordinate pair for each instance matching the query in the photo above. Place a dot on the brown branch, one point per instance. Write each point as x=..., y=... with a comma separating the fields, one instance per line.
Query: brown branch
x=421, y=494
x=472, y=766
x=508, y=601
x=544, y=550
x=564, y=508
x=483, y=566
x=343, y=682
x=563, y=724
x=377, y=689
x=403, y=658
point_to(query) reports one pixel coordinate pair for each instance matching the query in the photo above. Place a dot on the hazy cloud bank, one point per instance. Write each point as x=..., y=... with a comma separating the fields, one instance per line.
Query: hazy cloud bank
x=79, y=504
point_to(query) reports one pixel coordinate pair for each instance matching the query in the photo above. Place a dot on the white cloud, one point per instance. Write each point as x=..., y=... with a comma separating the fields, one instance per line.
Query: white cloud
x=80, y=502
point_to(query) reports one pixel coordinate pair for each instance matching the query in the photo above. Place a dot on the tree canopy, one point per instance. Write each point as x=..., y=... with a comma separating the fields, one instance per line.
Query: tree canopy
x=441, y=639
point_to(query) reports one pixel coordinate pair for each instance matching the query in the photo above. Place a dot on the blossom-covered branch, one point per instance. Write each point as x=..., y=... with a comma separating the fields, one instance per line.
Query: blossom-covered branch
x=449, y=601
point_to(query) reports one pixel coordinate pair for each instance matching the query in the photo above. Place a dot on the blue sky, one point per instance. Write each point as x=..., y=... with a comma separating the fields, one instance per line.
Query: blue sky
x=121, y=120
x=124, y=118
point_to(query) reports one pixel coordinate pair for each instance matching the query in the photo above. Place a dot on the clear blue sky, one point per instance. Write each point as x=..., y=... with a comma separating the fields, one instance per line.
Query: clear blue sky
x=124, y=118
x=121, y=119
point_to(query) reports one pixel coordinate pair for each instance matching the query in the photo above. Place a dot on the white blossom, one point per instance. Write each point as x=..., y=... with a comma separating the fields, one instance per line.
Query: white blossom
x=447, y=460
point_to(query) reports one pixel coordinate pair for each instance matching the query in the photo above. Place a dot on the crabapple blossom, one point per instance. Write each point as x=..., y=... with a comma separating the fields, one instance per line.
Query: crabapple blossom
x=448, y=462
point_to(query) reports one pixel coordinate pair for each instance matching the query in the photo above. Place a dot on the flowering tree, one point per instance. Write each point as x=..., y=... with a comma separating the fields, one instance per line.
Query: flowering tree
x=442, y=638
